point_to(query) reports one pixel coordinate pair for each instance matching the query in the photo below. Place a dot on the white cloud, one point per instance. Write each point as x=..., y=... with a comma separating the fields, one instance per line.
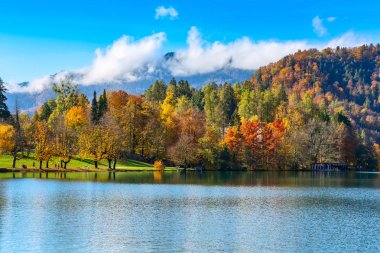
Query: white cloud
x=120, y=62
x=331, y=19
x=162, y=12
x=128, y=60
x=318, y=27
x=123, y=59
x=349, y=39
x=34, y=86
x=202, y=57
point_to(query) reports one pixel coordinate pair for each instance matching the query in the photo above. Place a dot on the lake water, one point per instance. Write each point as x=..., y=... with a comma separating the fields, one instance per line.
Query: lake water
x=190, y=212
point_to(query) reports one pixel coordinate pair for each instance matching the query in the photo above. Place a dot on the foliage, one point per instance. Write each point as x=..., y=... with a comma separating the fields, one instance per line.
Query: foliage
x=4, y=112
x=159, y=165
x=6, y=138
x=309, y=107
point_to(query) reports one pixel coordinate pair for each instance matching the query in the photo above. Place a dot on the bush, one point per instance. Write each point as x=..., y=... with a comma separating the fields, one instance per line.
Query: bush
x=159, y=165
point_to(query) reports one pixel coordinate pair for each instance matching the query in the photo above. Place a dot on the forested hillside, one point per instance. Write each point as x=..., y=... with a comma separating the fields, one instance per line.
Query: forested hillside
x=312, y=106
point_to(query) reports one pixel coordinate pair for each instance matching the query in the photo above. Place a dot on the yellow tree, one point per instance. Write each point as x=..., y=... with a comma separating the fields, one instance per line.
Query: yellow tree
x=113, y=137
x=6, y=138
x=91, y=143
x=44, y=149
x=76, y=117
x=168, y=119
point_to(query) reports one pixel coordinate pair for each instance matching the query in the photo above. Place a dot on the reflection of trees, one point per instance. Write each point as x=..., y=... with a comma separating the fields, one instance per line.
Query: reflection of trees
x=157, y=176
x=226, y=178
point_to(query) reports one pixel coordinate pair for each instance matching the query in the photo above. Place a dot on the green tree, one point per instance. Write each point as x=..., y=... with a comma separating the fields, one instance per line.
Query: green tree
x=184, y=89
x=103, y=105
x=156, y=91
x=47, y=109
x=94, y=109
x=4, y=112
x=67, y=95
x=211, y=101
x=19, y=138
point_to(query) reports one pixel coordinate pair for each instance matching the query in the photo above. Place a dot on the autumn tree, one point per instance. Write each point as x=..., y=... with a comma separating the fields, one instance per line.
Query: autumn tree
x=91, y=143
x=184, y=152
x=233, y=141
x=6, y=138
x=44, y=148
x=319, y=142
x=113, y=137
x=151, y=143
x=260, y=141
x=168, y=117
x=66, y=130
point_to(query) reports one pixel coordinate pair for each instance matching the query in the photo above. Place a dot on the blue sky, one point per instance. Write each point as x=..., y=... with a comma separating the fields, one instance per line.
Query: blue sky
x=42, y=37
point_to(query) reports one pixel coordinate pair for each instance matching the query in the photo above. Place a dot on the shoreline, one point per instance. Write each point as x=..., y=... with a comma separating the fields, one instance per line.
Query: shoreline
x=54, y=170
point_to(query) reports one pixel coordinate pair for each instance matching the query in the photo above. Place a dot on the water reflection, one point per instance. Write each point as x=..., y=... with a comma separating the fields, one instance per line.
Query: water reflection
x=271, y=178
x=175, y=214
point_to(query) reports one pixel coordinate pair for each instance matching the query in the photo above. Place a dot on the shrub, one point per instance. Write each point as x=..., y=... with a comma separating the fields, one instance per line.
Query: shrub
x=159, y=165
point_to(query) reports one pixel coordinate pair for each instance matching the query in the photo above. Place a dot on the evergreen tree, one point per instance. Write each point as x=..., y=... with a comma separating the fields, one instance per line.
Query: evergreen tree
x=4, y=112
x=157, y=91
x=103, y=105
x=47, y=109
x=184, y=89
x=18, y=138
x=94, y=109
x=172, y=87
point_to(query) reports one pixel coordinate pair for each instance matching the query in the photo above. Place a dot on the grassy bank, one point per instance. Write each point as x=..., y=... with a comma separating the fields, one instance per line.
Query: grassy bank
x=76, y=164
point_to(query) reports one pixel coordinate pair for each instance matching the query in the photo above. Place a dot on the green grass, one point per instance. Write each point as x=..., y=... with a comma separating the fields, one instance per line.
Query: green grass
x=127, y=164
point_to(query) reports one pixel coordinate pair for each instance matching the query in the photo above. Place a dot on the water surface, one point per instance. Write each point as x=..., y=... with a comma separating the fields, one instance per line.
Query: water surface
x=190, y=212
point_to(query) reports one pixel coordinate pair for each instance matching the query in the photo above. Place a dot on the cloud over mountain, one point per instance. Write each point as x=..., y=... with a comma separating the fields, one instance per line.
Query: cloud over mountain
x=122, y=60
x=128, y=60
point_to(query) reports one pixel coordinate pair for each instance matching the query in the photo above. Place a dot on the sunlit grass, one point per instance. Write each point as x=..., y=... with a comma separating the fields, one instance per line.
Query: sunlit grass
x=77, y=163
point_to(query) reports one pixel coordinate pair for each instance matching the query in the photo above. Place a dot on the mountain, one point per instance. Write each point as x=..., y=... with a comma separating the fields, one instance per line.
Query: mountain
x=30, y=102
x=341, y=79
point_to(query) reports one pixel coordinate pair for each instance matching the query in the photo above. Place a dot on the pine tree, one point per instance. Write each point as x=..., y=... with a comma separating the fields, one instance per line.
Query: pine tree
x=4, y=112
x=103, y=104
x=19, y=137
x=94, y=109
x=157, y=91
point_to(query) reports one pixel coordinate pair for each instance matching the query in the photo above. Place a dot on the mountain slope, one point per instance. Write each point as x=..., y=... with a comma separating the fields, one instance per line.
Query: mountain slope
x=339, y=79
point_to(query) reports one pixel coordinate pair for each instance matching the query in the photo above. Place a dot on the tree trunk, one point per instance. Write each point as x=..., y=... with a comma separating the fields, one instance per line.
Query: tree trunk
x=40, y=165
x=109, y=164
x=61, y=164
x=114, y=164
x=96, y=164
x=65, y=165
x=14, y=161
x=47, y=164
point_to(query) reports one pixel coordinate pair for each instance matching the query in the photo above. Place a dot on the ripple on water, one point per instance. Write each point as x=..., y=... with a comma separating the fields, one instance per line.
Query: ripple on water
x=63, y=216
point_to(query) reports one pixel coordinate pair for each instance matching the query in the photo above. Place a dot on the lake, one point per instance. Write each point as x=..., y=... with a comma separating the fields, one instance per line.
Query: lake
x=190, y=212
